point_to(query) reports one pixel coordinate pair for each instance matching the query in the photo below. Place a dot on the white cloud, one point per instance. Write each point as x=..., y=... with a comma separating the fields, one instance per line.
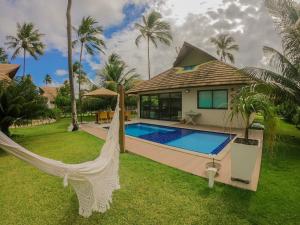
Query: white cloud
x=50, y=16
x=194, y=21
x=61, y=72
x=247, y=21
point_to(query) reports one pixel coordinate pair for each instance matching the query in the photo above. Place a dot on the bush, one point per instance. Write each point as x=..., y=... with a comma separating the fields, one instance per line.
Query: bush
x=287, y=110
x=54, y=113
x=296, y=118
x=20, y=100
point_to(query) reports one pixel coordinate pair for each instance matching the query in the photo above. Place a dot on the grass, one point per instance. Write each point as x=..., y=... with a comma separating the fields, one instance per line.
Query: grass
x=150, y=193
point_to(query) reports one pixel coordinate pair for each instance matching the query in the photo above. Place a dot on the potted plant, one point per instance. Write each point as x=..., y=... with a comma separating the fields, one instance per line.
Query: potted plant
x=244, y=150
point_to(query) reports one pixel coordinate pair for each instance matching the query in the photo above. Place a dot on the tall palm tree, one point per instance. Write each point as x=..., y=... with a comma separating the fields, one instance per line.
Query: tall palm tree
x=88, y=37
x=70, y=67
x=225, y=45
x=3, y=56
x=48, y=79
x=283, y=71
x=27, y=39
x=116, y=72
x=153, y=29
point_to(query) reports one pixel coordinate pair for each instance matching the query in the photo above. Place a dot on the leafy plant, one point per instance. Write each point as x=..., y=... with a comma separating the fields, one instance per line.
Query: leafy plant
x=247, y=103
x=3, y=56
x=283, y=71
x=19, y=100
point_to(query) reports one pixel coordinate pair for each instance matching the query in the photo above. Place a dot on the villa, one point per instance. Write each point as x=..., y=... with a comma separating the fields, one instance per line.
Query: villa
x=197, y=83
x=50, y=93
x=8, y=71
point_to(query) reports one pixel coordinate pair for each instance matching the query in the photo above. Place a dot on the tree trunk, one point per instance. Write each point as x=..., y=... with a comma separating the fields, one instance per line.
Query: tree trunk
x=70, y=65
x=247, y=128
x=79, y=82
x=149, y=76
x=5, y=128
x=24, y=63
x=122, y=118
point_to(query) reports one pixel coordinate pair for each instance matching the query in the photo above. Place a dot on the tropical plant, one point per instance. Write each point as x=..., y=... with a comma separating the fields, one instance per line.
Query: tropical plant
x=116, y=72
x=19, y=100
x=70, y=67
x=283, y=71
x=63, y=98
x=286, y=16
x=3, y=56
x=48, y=79
x=225, y=45
x=296, y=117
x=153, y=29
x=27, y=39
x=249, y=102
x=88, y=37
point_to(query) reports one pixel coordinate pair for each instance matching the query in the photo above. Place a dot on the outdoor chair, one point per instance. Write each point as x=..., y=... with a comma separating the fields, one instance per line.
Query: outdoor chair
x=110, y=115
x=127, y=115
x=103, y=116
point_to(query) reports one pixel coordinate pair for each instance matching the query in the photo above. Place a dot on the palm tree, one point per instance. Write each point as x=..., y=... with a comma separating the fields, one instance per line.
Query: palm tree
x=153, y=29
x=283, y=71
x=27, y=39
x=48, y=79
x=116, y=72
x=70, y=67
x=225, y=45
x=88, y=37
x=286, y=15
x=3, y=56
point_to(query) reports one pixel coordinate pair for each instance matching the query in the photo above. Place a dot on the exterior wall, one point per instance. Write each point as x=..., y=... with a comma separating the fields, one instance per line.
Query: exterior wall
x=213, y=117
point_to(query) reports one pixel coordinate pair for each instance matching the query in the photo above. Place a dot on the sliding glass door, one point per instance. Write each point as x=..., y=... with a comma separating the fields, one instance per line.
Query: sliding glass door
x=164, y=106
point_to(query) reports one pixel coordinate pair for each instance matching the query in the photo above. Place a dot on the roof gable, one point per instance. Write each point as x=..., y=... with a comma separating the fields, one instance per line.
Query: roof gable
x=190, y=55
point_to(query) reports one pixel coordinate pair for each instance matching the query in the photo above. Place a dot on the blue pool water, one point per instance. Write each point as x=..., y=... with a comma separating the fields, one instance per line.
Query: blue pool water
x=188, y=139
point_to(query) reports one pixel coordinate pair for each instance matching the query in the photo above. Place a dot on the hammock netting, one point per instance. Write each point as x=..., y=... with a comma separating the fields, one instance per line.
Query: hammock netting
x=93, y=181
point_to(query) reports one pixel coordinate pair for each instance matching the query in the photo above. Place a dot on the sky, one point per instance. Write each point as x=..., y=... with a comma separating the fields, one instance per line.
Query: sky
x=193, y=21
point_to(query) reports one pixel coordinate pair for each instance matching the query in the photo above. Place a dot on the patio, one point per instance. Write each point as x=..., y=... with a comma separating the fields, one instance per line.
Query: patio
x=187, y=161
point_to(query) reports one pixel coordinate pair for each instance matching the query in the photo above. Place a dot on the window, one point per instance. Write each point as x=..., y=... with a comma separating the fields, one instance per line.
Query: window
x=213, y=99
x=185, y=68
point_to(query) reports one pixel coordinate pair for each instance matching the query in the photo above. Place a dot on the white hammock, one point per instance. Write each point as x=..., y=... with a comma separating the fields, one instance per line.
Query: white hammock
x=93, y=181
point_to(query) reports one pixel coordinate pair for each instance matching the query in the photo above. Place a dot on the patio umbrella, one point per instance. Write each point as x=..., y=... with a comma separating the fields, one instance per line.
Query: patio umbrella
x=101, y=92
x=105, y=92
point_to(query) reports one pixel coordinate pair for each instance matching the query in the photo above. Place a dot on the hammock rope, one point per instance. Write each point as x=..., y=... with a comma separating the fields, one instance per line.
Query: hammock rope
x=93, y=181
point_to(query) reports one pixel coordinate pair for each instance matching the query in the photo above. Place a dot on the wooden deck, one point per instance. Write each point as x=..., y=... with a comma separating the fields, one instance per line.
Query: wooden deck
x=187, y=161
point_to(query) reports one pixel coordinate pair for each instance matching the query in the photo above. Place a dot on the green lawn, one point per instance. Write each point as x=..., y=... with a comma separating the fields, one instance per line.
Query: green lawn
x=150, y=193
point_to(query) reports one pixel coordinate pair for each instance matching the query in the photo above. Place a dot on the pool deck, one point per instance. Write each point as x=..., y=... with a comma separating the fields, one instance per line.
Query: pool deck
x=187, y=161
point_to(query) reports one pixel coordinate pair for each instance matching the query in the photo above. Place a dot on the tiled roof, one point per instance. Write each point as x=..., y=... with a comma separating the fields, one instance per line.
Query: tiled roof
x=212, y=73
x=8, y=71
x=49, y=92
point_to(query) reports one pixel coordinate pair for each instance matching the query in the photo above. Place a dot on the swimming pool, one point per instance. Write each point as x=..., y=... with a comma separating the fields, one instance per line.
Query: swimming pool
x=192, y=140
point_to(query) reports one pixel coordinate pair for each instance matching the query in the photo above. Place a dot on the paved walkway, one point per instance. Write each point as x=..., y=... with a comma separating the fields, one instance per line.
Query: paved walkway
x=187, y=161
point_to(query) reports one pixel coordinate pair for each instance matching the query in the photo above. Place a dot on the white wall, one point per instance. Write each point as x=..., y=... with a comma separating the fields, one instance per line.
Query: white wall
x=213, y=117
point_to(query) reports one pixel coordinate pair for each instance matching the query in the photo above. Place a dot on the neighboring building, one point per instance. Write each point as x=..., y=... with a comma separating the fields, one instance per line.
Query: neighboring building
x=198, y=82
x=8, y=71
x=50, y=93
